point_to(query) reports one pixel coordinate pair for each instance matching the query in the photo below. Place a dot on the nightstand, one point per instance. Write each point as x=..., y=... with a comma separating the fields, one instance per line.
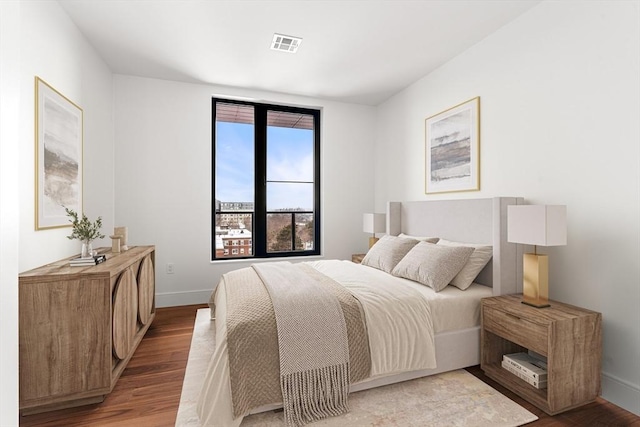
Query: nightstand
x=357, y=258
x=569, y=337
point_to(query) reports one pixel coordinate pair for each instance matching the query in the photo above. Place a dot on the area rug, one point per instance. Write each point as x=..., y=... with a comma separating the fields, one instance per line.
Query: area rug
x=454, y=398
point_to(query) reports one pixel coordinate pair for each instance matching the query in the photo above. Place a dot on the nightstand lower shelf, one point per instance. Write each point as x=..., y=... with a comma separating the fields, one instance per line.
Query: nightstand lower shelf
x=538, y=397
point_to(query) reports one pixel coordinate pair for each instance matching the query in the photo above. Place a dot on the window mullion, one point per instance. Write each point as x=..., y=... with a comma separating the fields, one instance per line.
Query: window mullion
x=317, y=182
x=293, y=231
x=260, y=235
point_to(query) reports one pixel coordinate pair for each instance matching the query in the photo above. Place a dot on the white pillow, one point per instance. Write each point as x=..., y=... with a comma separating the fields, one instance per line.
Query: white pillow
x=422, y=239
x=478, y=259
x=387, y=252
x=432, y=265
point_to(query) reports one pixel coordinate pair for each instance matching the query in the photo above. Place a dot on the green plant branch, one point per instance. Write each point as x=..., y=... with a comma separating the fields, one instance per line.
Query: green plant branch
x=83, y=229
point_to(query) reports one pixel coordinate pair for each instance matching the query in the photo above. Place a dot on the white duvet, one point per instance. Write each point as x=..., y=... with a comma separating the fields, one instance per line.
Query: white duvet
x=400, y=323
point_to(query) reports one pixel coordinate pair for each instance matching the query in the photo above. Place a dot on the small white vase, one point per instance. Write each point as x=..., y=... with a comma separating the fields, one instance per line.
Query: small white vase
x=87, y=250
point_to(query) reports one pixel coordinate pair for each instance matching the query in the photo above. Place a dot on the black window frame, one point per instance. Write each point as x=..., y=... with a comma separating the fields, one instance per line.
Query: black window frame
x=260, y=212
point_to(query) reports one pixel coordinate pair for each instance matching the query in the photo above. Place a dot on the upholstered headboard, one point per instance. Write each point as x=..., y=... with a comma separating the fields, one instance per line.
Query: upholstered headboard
x=466, y=220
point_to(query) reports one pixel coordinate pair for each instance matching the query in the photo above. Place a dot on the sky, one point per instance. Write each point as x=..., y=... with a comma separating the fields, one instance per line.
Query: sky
x=289, y=158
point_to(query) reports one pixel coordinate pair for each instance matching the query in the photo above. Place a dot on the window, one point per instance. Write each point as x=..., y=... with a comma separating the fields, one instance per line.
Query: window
x=266, y=180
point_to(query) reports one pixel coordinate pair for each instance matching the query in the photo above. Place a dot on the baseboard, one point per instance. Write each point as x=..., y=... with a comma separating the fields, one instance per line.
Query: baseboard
x=621, y=393
x=173, y=299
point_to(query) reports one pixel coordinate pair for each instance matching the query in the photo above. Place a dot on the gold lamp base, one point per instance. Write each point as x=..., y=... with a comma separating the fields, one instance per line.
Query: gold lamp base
x=372, y=241
x=536, y=280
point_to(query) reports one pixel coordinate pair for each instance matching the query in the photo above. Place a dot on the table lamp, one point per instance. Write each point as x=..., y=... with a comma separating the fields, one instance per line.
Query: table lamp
x=374, y=223
x=538, y=225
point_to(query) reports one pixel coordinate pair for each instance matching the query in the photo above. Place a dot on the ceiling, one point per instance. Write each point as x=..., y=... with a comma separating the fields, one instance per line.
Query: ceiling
x=359, y=51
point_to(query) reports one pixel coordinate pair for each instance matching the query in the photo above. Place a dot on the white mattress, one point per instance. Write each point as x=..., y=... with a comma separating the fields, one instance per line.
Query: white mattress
x=451, y=308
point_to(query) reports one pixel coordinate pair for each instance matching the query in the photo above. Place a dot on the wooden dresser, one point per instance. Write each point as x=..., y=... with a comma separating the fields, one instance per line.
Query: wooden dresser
x=79, y=326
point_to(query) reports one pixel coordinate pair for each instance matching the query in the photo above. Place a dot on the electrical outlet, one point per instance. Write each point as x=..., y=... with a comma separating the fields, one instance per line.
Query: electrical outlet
x=170, y=267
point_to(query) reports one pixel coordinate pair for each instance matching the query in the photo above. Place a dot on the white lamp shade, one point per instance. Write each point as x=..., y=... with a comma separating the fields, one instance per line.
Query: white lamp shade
x=374, y=223
x=541, y=225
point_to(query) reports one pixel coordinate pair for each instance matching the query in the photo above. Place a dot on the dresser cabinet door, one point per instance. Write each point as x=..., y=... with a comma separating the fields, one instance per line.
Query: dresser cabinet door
x=125, y=308
x=146, y=290
x=63, y=328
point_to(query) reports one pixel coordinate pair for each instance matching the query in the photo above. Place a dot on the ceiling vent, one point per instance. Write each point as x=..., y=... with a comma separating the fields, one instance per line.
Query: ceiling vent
x=285, y=43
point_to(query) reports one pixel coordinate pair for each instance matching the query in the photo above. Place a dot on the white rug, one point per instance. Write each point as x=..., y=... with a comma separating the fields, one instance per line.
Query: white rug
x=451, y=399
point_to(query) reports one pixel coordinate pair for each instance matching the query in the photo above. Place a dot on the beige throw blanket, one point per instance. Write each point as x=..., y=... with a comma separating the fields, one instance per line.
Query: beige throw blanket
x=254, y=354
x=312, y=341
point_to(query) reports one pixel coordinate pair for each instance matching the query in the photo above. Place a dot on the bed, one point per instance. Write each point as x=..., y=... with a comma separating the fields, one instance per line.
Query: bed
x=453, y=313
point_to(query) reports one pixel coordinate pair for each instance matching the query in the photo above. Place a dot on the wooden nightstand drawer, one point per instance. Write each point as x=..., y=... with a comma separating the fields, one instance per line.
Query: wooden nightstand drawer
x=518, y=330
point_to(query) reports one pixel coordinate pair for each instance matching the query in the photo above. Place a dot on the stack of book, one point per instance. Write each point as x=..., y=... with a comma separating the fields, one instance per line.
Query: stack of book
x=528, y=367
x=84, y=262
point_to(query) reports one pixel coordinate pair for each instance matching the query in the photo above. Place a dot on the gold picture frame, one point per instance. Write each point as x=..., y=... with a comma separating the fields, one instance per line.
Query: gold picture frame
x=58, y=156
x=452, y=149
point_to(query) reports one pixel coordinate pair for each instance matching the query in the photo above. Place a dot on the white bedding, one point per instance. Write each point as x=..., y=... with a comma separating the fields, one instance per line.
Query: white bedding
x=451, y=308
x=402, y=319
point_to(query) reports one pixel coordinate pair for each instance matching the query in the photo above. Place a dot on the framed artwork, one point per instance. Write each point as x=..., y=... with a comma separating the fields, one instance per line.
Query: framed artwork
x=58, y=152
x=452, y=146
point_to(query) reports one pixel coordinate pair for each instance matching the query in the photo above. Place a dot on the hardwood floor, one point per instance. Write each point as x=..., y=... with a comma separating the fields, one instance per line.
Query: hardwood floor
x=148, y=392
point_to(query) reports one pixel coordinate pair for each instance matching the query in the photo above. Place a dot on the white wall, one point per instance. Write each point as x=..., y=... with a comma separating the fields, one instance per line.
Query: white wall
x=9, y=211
x=560, y=102
x=37, y=38
x=53, y=49
x=163, y=177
